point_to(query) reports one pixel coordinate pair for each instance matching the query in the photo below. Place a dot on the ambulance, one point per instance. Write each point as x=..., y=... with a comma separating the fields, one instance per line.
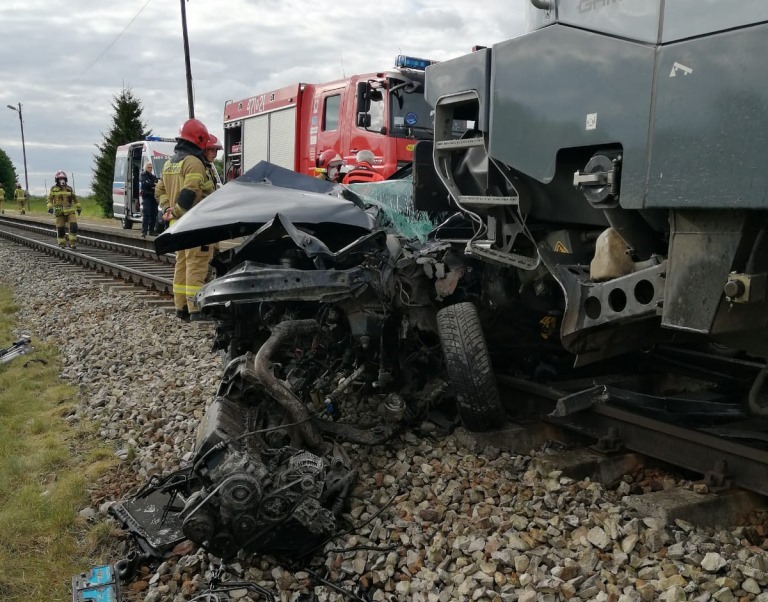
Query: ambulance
x=130, y=160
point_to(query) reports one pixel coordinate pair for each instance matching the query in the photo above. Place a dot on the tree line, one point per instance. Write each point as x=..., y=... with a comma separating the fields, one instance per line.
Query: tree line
x=8, y=176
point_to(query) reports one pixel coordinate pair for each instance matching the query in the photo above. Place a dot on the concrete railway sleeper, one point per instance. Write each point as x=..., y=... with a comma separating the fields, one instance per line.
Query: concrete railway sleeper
x=115, y=259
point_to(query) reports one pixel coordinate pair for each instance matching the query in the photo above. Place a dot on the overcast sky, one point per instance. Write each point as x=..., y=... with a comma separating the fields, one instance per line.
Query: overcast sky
x=65, y=60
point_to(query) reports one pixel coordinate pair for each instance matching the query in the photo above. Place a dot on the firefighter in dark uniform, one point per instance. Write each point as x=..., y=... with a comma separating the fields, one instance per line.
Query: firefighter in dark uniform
x=363, y=171
x=184, y=183
x=147, y=182
x=21, y=197
x=63, y=204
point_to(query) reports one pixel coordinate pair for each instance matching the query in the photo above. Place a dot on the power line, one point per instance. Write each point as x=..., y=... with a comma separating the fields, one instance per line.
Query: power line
x=113, y=42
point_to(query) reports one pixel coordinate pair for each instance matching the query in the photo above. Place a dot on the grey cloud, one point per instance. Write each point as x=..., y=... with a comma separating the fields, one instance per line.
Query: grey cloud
x=239, y=48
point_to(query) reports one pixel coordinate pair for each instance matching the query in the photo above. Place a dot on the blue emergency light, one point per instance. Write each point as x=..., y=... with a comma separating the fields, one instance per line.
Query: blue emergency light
x=159, y=139
x=411, y=62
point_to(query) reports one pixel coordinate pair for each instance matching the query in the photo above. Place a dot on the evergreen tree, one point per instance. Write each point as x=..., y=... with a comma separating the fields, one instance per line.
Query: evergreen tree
x=127, y=126
x=8, y=177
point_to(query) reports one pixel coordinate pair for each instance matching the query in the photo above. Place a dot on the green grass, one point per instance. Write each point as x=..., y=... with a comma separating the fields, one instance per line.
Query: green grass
x=45, y=469
x=37, y=204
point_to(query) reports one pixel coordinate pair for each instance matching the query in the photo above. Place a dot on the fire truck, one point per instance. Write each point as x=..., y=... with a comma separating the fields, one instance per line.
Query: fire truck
x=382, y=112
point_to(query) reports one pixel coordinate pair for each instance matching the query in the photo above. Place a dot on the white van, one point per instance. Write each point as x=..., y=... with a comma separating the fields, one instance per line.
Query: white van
x=130, y=160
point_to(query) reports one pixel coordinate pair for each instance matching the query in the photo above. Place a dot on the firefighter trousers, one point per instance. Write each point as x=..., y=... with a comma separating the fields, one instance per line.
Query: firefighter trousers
x=21, y=206
x=64, y=221
x=189, y=276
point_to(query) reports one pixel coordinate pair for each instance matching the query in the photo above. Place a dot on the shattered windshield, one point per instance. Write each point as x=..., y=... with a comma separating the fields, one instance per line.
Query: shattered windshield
x=395, y=200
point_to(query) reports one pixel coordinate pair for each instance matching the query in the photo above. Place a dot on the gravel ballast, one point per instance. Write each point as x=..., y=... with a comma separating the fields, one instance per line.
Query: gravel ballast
x=446, y=524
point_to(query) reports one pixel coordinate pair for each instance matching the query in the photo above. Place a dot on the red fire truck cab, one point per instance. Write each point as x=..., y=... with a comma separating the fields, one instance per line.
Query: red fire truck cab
x=382, y=112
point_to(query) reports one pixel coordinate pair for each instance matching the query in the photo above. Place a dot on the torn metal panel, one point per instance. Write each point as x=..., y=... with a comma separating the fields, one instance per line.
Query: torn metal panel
x=152, y=520
x=282, y=284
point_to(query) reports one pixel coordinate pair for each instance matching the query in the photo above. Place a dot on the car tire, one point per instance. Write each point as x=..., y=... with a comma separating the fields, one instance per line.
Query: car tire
x=126, y=223
x=469, y=367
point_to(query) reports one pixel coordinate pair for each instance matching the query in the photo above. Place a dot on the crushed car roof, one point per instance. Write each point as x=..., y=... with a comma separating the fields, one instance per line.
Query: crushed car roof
x=244, y=205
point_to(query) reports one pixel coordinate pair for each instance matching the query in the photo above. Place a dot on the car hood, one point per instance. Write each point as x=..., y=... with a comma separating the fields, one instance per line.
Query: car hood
x=244, y=205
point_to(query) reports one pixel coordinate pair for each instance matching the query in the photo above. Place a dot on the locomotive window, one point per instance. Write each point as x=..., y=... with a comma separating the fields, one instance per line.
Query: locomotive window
x=331, y=110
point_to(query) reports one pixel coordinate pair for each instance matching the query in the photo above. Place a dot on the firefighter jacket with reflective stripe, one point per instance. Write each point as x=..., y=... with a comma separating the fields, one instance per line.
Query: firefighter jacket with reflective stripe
x=20, y=194
x=2, y=194
x=211, y=182
x=185, y=181
x=363, y=172
x=62, y=200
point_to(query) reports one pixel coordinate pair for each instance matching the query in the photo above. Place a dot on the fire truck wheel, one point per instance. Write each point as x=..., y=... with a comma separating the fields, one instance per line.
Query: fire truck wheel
x=469, y=367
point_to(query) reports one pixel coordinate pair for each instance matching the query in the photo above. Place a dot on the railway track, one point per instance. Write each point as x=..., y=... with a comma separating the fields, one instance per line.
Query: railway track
x=129, y=258
x=725, y=454
x=733, y=453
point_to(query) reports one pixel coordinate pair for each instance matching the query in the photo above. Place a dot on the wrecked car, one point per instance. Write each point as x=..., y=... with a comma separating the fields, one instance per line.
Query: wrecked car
x=337, y=320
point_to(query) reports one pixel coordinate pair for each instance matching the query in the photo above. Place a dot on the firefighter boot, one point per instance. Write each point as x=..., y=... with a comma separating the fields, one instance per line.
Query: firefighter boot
x=183, y=314
x=196, y=316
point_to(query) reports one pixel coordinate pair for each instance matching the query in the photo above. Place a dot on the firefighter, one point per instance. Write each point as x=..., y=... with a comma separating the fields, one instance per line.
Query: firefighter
x=21, y=196
x=63, y=204
x=184, y=183
x=211, y=150
x=328, y=165
x=2, y=199
x=363, y=170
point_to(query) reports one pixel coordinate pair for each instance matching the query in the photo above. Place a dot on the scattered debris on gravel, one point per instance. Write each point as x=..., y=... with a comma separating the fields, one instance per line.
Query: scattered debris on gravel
x=429, y=519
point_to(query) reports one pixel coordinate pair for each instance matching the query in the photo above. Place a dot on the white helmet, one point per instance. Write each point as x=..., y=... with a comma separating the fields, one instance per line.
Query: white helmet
x=365, y=156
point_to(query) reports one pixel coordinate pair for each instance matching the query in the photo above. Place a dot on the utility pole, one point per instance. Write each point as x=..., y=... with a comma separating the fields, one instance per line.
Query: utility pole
x=190, y=100
x=23, y=150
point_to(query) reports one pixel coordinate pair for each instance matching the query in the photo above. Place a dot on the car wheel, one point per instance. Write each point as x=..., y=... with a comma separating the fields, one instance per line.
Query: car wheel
x=469, y=367
x=126, y=223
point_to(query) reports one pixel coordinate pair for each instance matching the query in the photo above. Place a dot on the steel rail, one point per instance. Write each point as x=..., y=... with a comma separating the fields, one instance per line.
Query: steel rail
x=94, y=237
x=146, y=272
x=687, y=448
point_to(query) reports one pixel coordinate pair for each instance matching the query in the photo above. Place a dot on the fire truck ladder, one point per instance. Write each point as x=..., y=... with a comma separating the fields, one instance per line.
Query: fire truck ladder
x=497, y=218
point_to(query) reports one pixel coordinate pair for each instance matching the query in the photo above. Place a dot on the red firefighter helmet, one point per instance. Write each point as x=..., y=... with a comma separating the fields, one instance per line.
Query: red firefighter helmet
x=213, y=143
x=194, y=131
x=328, y=157
x=60, y=175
